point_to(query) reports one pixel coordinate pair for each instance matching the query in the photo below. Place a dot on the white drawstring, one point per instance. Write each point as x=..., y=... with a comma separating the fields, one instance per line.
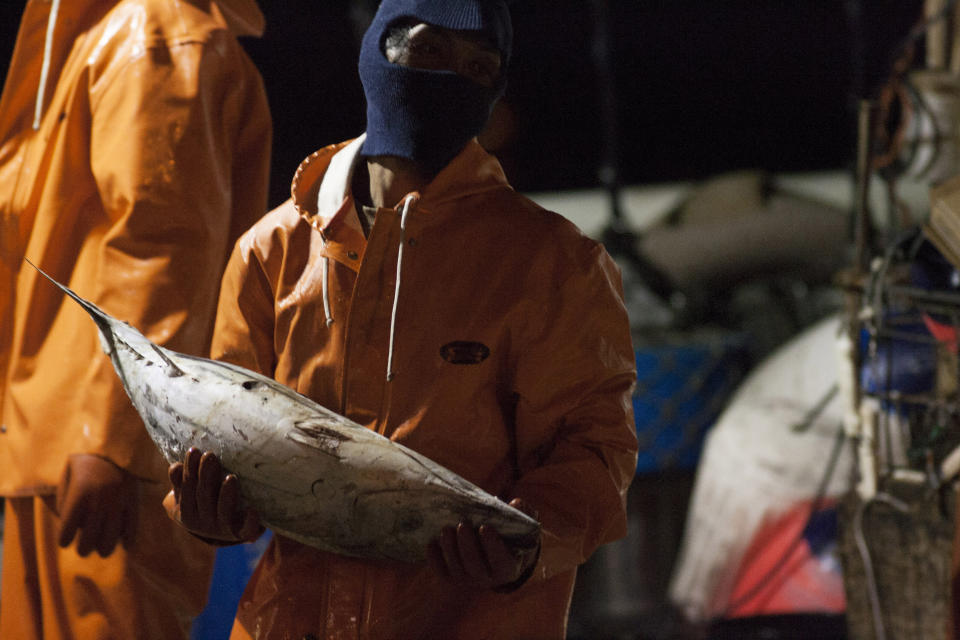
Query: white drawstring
x=396, y=291
x=326, y=294
x=45, y=68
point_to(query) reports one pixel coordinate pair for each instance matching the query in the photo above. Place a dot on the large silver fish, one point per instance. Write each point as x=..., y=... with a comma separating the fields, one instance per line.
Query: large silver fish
x=311, y=474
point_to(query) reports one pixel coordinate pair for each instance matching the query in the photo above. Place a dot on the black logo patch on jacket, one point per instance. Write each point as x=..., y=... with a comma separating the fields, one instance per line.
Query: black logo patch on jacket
x=463, y=352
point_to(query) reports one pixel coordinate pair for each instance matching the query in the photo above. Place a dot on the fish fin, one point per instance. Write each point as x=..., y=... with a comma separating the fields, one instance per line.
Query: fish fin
x=100, y=317
x=103, y=321
x=172, y=369
x=88, y=306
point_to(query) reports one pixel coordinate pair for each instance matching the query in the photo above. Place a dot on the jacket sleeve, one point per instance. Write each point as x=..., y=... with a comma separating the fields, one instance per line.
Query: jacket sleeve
x=576, y=439
x=179, y=146
x=244, y=329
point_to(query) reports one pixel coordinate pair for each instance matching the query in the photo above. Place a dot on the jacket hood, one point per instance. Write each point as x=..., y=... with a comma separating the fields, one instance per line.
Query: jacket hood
x=241, y=17
x=321, y=185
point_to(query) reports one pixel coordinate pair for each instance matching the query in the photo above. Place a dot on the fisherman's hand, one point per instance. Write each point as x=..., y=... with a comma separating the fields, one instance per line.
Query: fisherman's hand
x=97, y=502
x=206, y=501
x=478, y=557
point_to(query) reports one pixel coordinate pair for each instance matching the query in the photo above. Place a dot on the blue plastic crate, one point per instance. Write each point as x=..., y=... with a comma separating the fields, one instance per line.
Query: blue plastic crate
x=681, y=390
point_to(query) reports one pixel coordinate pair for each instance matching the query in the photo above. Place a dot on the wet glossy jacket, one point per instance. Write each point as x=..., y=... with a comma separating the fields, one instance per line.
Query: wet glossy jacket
x=511, y=364
x=132, y=198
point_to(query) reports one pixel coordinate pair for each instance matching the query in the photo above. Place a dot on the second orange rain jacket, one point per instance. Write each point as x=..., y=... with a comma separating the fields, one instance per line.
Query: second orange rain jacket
x=497, y=344
x=149, y=157
x=134, y=149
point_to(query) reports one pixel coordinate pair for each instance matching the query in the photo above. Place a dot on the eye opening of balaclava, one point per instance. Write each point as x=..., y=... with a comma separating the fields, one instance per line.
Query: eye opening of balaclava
x=426, y=115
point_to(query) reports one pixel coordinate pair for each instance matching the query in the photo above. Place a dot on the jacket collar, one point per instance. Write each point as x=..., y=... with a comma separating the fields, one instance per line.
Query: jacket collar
x=321, y=185
x=242, y=17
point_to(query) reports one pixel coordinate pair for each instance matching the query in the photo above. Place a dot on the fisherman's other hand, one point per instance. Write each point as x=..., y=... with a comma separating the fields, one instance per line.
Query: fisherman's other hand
x=97, y=502
x=207, y=502
x=478, y=557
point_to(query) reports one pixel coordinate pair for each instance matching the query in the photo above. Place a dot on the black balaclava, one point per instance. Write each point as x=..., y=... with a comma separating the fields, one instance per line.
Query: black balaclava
x=427, y=115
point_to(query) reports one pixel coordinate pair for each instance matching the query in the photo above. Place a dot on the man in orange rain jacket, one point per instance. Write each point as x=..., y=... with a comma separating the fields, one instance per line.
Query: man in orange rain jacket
x=408, y=287
x=134, y=145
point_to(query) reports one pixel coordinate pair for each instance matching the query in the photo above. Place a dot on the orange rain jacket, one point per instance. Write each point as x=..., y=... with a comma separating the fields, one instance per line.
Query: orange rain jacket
x=511, y=364
x=150, y=157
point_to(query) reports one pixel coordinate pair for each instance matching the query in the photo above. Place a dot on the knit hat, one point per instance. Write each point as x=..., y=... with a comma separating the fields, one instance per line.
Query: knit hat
x=428, y=115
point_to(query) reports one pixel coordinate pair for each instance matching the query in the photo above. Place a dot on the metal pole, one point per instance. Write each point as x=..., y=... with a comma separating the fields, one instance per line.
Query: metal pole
x=617, y=237
x=609, y=169
x=862, y=224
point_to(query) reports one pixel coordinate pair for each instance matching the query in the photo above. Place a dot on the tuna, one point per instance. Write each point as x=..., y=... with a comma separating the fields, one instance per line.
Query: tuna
x=311, y=474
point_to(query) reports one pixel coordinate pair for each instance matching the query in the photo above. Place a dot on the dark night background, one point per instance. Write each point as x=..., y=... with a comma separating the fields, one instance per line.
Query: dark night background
x=702, y=86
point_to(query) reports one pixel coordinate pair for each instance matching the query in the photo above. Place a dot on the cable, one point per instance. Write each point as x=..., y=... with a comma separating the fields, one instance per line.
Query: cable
x=898, y=89
x=872, y=593
x=920, y=29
